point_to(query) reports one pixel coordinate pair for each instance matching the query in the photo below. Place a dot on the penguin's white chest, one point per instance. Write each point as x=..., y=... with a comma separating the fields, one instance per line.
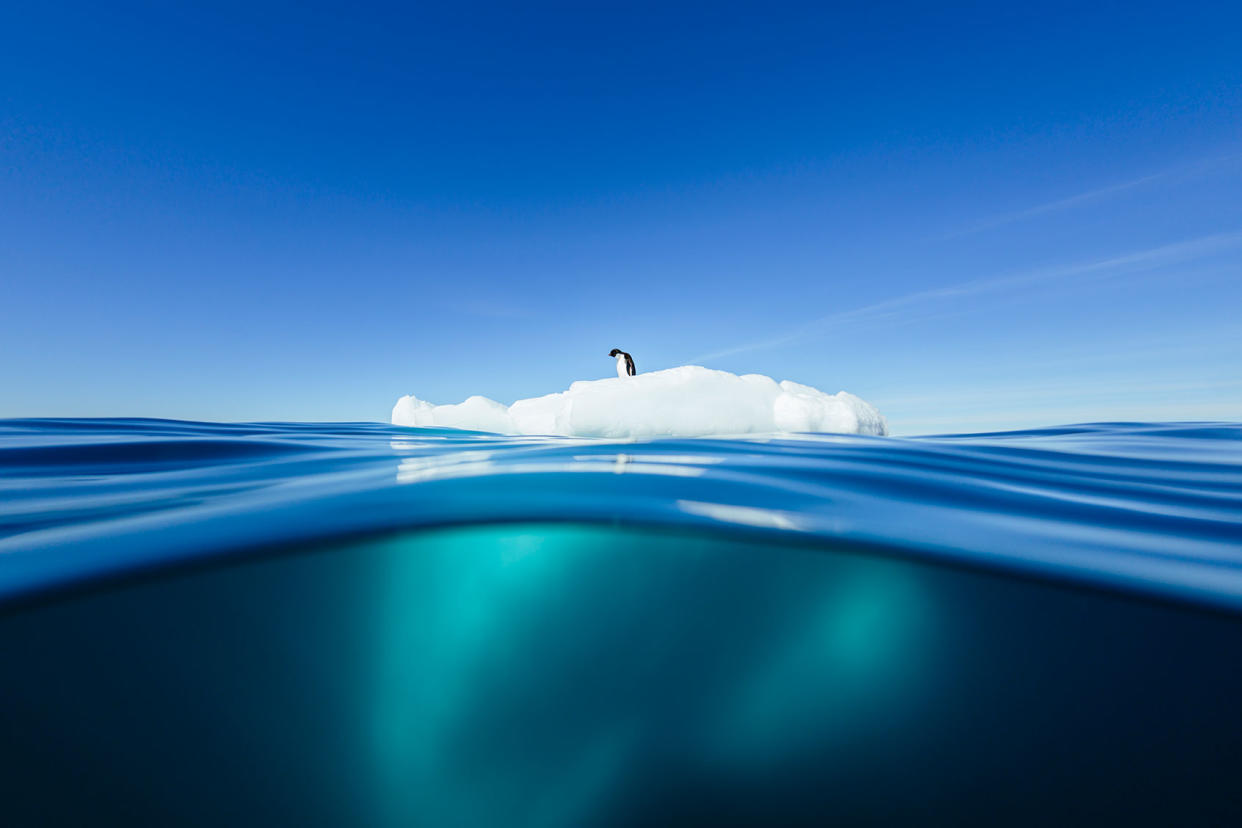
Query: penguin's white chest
x=621, y=372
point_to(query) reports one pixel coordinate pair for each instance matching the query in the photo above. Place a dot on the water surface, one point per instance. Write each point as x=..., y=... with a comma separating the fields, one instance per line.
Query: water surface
x=362, y=624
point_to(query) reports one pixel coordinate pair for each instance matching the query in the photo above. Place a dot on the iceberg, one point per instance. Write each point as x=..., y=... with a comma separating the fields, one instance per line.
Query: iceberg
x=689, y=401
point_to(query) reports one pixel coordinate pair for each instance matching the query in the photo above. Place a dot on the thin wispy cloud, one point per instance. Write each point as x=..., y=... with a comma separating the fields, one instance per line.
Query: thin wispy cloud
x=1059, y=204
x=924, y=302
x=1178, y=173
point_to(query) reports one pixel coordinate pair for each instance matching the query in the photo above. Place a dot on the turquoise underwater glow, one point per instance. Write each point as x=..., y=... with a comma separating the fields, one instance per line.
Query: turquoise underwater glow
x=358, y=624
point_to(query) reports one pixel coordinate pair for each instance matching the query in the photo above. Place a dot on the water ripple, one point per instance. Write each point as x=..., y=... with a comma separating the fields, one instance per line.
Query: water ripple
x=1148, y=507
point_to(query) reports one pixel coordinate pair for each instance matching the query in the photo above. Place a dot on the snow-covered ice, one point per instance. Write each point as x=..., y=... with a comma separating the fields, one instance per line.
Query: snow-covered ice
x=690, y=401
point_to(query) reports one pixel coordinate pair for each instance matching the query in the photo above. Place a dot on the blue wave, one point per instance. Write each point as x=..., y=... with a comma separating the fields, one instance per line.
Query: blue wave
x=1154, y=508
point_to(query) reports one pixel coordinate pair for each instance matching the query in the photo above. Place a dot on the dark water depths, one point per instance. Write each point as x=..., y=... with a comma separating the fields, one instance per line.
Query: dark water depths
x=367, y=625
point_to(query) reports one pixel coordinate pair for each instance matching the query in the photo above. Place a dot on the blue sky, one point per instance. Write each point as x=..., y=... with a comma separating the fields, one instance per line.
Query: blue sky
x=975, y=216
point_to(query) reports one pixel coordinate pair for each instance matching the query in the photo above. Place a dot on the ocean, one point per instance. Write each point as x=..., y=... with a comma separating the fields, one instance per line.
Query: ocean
x=363, y=624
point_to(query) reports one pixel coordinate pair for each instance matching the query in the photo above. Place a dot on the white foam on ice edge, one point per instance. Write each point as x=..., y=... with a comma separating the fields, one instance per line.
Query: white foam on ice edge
x=690, y=401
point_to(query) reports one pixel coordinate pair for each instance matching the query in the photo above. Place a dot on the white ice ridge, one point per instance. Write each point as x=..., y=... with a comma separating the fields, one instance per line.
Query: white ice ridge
x=690, y=401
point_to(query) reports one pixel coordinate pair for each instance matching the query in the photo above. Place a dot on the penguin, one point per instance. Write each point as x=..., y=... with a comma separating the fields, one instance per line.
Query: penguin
x=625, y=363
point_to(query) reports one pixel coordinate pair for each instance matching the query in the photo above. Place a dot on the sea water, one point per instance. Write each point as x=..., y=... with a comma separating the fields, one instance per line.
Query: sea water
x=373, y=625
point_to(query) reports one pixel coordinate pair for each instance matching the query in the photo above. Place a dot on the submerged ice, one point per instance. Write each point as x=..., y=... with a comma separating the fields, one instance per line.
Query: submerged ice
x=690, y=401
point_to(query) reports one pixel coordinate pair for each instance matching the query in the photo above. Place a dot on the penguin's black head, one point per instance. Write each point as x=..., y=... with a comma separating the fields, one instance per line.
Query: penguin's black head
x=614, y=352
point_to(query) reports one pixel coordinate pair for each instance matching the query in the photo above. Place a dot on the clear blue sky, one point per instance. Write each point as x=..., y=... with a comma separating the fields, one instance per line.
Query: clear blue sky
x=984, y=215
